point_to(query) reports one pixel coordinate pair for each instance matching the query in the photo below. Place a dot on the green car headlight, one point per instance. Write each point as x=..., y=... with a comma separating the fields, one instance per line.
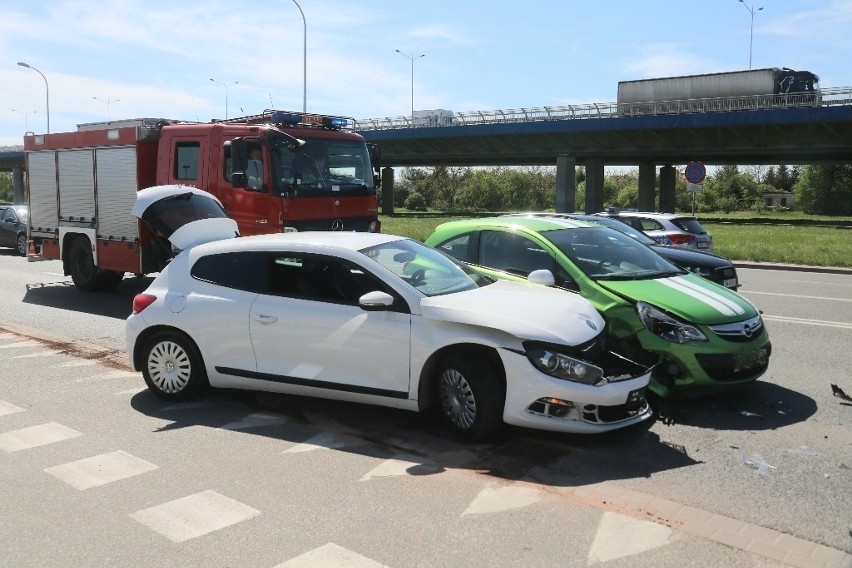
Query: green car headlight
x=669, y=328
x=561, y=366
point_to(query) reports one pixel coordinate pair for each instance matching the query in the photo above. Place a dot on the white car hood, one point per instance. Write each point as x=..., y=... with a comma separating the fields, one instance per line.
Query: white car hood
x=526, y=311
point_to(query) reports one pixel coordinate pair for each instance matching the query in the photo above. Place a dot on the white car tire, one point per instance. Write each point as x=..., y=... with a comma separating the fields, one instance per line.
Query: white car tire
x=172, y=366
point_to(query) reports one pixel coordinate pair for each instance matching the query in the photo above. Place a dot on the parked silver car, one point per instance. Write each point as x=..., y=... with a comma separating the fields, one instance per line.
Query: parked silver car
x=674, y=229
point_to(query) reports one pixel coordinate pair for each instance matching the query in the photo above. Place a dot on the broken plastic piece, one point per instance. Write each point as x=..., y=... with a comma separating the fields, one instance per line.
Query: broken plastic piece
x=838, y=392
x=750, y=414
x=758, y=464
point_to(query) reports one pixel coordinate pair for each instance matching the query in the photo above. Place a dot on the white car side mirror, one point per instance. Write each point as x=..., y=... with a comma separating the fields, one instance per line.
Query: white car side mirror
x=543, y=277
x=375, y=301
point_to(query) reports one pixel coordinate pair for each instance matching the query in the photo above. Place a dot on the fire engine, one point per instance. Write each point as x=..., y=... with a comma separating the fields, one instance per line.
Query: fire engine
x=276, y=171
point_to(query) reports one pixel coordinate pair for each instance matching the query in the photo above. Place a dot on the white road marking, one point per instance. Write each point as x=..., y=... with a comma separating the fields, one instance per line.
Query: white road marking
x=498, y=499
x=330, y=556
x=824, y=323
x=324, y=441
x=620, y=536
x=79, y=363
x=37, y=354
x=100, y=470
x=9, y=408
x=109, y=376
x=400, y=465
x=744, y=293
x=194, y=516
x=35, y=436
x=18, y=344
x=256, y=419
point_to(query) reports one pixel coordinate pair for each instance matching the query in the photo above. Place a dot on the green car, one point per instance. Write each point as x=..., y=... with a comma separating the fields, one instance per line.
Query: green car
x=706, y=338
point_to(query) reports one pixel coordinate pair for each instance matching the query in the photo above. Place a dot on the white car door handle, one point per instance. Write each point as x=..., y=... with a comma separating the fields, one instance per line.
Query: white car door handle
x=260, y=318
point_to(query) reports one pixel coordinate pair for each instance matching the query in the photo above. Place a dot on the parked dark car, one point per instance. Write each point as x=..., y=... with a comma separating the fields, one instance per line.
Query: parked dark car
x=13, y=227
x=713, y=267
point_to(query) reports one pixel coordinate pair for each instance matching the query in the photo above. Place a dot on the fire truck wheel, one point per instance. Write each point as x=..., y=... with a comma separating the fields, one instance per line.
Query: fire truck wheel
x=172, y=366
x=81, y=265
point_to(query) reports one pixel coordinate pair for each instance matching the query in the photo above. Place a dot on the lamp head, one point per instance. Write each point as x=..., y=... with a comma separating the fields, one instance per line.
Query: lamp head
x=22, y=64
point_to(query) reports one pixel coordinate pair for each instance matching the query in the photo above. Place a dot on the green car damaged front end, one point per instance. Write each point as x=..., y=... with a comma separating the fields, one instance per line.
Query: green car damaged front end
x=708, y=338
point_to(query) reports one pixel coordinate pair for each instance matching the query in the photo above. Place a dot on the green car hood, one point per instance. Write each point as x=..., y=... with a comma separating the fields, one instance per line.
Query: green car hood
x=688, y=297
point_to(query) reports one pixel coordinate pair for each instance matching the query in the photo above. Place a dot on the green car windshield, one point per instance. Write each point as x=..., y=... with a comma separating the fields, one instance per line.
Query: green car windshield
x=606, y=254
x=428, y=270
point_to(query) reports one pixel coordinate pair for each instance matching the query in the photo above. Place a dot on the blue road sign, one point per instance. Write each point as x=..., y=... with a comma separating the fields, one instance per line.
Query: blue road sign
x=695, y=172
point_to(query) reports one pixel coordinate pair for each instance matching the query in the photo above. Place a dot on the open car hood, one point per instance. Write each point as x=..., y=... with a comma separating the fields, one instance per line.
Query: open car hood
x=527, y=311
x=184, y=215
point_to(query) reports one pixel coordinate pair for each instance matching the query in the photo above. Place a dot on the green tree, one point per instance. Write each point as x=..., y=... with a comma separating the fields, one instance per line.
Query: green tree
x=825, y=189
x=7, y=192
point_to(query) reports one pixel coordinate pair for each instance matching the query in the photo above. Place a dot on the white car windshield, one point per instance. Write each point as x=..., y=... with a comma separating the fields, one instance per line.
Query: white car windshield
x=429, y=271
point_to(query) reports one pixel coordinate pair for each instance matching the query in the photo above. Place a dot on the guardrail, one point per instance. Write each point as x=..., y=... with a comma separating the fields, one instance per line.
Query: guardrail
x=829, y=97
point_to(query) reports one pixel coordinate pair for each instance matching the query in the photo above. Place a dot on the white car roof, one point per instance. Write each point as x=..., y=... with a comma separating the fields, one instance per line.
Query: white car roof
x=328, y=240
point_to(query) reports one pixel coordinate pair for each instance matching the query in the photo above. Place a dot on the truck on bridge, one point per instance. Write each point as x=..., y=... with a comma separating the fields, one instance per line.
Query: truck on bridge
x=730, y=91
x=273, y=172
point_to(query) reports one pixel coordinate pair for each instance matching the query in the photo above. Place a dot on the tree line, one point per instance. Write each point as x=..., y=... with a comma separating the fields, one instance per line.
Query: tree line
x=816, y=189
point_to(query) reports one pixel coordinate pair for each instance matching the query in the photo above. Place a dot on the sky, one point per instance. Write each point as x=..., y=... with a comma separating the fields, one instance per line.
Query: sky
x=119, y=59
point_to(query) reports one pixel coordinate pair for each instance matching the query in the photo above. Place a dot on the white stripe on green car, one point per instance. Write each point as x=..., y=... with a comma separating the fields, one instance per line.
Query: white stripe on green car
x=721, y=304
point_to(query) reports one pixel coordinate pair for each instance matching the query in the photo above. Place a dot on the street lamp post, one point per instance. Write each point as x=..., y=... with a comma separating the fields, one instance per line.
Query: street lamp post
x=752, y=11
x=226, y=93
x=26, y=115
x=46, y=90
x=304, y=59
x=411, y=57
x=108, y=103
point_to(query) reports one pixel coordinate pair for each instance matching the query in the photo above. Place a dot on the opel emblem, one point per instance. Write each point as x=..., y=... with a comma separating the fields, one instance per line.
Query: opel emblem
x=337, y=225
x=749, y=329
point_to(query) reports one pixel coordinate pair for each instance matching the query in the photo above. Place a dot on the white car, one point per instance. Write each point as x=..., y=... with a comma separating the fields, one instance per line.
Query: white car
x=669, y=229
x=372, y=318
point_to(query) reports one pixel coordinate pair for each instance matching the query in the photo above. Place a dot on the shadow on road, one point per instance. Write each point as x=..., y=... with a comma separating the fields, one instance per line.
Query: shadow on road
x=760, y=406
x=64, y=295
x=543, y=457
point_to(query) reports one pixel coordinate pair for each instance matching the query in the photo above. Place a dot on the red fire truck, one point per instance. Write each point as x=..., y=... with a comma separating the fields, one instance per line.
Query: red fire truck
x=276, y=171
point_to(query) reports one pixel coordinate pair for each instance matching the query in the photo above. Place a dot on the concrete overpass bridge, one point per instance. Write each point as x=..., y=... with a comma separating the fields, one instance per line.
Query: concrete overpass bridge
x=770, y=129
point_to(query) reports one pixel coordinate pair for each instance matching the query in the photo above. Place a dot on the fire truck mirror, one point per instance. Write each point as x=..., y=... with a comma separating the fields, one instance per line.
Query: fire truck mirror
x=239, y=155
x=375, y=156
x=239, y=179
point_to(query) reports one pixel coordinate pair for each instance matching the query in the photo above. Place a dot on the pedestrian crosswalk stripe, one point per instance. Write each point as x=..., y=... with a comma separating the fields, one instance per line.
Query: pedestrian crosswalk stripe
x=498, y=499
x=35, y=436
x=9, y=408
x=620, y=536
x=330, y=556
x=324, y=441
x=100, y=470
x=193, y=516
x=403, y=464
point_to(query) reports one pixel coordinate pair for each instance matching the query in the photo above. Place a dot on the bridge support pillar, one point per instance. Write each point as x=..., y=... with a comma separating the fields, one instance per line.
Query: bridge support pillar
x=647, y=189
x=387, y=191
x=566, y=184
x=18, y=185
x=594, y=186
x=668, y=176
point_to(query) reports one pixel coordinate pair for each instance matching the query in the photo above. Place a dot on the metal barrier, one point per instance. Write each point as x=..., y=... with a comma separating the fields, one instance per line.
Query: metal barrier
x=827, y=97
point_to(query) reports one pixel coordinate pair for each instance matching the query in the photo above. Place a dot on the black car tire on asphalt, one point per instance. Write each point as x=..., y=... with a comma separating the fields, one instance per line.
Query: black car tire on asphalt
x=21, y=244
x=172, y=366
x=471, y=396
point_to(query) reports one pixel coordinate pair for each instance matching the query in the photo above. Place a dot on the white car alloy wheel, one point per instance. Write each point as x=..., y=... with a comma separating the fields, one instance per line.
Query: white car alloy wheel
x=471, y=394
x=172, y=368
x=457, y=399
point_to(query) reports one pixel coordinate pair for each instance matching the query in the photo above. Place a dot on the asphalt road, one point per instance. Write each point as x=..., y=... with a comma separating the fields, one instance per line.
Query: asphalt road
x=760, y=477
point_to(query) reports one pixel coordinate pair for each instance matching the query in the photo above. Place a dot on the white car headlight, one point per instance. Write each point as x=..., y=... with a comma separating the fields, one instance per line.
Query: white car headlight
x=561, y=366
x=669, y=328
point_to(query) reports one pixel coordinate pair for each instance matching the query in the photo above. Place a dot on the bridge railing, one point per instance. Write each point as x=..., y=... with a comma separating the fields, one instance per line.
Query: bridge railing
x=829, y=97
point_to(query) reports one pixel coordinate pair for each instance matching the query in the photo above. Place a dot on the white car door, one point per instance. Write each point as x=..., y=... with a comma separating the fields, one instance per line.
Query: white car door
x=309, y=331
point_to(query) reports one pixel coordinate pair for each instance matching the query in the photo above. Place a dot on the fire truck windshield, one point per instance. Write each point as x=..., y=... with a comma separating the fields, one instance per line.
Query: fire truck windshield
x=321, y=167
